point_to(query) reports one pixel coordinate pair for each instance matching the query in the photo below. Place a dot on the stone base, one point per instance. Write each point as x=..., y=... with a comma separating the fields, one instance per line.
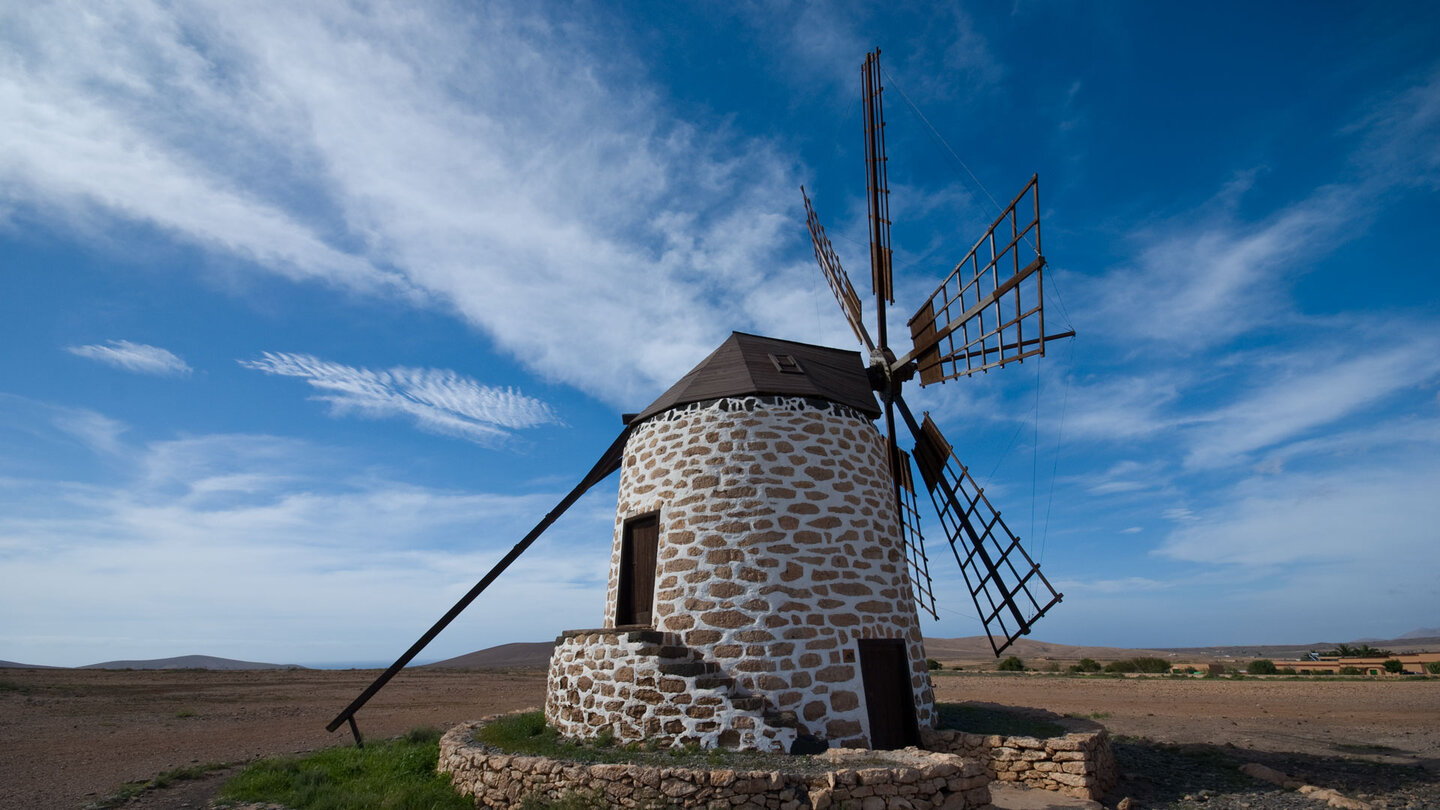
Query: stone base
x=642, y=685
x=909, y=779
x=1078, y=764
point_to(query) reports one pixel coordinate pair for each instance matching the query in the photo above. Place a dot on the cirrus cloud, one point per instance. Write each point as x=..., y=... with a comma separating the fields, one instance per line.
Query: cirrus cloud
x=440, y=401
x=137, y=357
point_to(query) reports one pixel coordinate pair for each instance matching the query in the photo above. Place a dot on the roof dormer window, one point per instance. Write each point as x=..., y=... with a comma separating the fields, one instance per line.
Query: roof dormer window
x=786, y=364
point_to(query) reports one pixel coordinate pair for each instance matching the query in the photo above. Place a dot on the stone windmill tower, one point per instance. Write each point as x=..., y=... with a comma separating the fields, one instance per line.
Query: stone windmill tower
x=767, y=568
x=758, y=584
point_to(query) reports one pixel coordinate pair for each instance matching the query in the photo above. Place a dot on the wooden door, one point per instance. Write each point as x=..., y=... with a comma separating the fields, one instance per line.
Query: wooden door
x=889, y=700
x=638, y=550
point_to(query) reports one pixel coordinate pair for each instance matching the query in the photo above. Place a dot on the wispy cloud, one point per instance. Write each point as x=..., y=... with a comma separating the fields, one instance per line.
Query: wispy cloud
x=1309, y=390
x=136, y=357
x=220, y=539
x=439, y=401
x=1209, y=276
x=482, y=160
x=1381, y=515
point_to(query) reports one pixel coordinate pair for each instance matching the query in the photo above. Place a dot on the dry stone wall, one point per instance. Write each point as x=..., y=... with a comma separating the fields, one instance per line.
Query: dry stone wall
x=1078, y=764
x=853, y=780
x=778, y=550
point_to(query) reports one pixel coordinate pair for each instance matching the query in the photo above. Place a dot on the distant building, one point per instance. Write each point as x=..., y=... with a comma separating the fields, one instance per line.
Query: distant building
x=1414, y=663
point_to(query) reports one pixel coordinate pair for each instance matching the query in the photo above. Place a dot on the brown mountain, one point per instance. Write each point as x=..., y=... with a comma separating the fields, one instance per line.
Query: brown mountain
x=975, y=651
x=507, y=656
x=188, y=662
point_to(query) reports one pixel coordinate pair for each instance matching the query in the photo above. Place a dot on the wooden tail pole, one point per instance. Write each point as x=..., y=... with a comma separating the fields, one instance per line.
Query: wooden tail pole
x=608, y=463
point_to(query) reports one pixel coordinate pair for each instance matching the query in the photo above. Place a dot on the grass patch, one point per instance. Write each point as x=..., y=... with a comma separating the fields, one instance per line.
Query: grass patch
x=527, y=734
x=977, y=720
x=184, y=713
x=396, y=774
x=584, y=800
x=8, y=685
x=130, y=790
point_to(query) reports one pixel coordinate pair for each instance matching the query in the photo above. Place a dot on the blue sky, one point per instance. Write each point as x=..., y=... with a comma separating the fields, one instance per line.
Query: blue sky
x=311, y=310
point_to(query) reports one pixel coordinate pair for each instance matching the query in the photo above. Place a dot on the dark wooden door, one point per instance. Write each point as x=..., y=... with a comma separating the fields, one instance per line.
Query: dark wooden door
x=889, y=701
x=638, y=551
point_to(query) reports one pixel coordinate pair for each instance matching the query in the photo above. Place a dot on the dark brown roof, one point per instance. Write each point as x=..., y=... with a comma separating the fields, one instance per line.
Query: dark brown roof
x=743, y=365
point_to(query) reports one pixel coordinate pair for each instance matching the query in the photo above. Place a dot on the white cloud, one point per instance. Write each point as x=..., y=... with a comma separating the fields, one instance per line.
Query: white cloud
x=439, y=401
x=1208, y=276
x=1123, y=585
x=213, y=542
x=1309, y=391
x=1380, y=515
x=95, y=430
x=483, y=160
x=136, y=357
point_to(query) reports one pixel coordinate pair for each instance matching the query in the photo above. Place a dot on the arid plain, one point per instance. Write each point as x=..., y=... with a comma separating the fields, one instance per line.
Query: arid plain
x=72, y=736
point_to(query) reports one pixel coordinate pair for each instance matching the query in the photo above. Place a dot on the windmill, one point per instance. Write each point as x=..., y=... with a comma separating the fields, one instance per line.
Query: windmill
x=767, y=563
x=988, y=312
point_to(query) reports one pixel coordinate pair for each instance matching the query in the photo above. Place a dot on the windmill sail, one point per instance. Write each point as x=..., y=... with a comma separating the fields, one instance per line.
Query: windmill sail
x=914, y=541
x=835, y=274
x=990, y=310
x=879, y=185
x=1006, y=585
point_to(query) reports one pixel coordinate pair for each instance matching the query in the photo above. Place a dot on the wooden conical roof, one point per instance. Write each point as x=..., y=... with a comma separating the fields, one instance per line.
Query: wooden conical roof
x=747, y=365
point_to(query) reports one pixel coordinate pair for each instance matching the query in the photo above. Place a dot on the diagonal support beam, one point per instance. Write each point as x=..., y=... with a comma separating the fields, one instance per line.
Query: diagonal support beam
x=608, y=463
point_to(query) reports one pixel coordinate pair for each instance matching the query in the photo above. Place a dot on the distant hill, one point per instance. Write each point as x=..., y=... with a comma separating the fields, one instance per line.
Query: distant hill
x=519, y=654
x=1424, y=632
x=977, y=649
x=188, y=662
x=1405, y=644
x=14, y=665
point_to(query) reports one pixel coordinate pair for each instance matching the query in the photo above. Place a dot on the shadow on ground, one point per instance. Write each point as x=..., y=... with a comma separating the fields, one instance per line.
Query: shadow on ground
x=1160, y=776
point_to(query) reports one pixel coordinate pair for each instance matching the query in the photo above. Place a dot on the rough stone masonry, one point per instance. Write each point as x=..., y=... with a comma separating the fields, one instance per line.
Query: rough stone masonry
x=779, y=549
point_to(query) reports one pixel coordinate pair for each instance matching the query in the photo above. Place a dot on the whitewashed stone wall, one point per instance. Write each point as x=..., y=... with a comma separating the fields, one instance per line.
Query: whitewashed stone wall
x=779, y=548
x=616, y=681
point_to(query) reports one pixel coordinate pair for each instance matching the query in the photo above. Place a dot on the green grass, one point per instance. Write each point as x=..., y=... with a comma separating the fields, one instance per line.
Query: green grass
x=130, y=790
x=8, y=685
x=396, y=774
x=184, y=713
x=584, y=800
x=527, y=734
x=976, y=720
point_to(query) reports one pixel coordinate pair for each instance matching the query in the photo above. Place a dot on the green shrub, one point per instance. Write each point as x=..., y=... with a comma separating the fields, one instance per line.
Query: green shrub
x=932, y=664
x=1052, y=667
x=1433, y=667
x=1394, y=667
x=1262, y=666
x=1151, y=665
x=1128, y=665
x=1350, y=671
x=1088, y=665
x=1012, y=664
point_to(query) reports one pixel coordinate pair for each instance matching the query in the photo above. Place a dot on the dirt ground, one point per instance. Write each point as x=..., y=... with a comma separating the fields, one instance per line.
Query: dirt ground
x=69, y=737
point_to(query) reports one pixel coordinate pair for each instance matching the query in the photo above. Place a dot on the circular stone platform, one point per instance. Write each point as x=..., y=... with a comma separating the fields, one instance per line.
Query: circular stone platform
x=909, y=778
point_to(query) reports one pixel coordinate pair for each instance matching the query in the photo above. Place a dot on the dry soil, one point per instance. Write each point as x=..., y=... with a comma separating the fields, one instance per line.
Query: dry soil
x=69, y=737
